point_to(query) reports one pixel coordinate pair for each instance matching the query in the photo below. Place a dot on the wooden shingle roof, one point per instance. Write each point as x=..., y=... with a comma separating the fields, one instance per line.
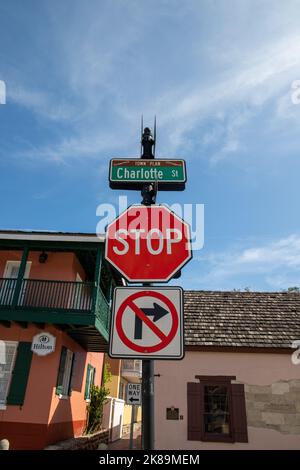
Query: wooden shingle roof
x=241, y=319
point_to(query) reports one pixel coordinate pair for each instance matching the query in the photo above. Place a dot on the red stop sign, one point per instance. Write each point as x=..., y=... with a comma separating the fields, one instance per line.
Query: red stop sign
x=148, y=243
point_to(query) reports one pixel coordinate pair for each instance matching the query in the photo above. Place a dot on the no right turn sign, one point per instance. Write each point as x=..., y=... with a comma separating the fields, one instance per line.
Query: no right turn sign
x=147, y=322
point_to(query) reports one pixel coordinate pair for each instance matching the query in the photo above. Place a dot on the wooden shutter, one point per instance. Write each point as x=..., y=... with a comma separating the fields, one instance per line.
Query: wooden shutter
x=71, y=375
x=20, y=374
x=195, y=411
x=61, y=370
x=239, y=417
x=87, y=383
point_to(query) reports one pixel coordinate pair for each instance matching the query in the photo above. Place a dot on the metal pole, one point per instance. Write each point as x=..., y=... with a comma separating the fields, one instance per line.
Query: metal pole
x=148, y=364
x=148, y=404
x=131, y=427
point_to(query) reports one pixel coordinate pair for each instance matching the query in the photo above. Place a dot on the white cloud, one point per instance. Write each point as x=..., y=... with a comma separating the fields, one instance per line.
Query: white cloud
x=2, y=92
x=276, y=264
x=261, y=78
x=106, y=61
x=42, y=103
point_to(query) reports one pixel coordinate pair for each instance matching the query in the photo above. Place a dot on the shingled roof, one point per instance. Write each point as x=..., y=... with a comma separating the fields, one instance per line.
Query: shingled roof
x=241, y=319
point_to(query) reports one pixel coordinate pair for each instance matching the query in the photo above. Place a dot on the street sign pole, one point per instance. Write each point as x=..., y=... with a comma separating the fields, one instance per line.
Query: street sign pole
x=148, y=404
x=148, y=364
x=131, y=427
x=136, y=260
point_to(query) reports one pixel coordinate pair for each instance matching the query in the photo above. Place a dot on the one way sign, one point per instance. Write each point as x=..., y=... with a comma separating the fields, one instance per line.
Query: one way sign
x=134, y=394
x=147, y=322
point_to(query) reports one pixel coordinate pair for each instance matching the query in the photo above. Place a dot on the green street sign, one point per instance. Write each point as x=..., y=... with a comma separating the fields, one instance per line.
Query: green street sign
x=132, y=173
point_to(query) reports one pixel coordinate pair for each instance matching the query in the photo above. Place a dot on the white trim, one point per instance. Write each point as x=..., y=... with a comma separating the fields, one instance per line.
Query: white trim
x=67, y=373
x=54, y=237
x=12, y=365
x=63, y=397
x=17, y=263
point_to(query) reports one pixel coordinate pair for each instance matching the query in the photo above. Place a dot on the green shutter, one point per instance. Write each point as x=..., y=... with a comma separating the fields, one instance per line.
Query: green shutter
x=20, y=374
x=71, y=375
x=87, y=383
x=61, y=370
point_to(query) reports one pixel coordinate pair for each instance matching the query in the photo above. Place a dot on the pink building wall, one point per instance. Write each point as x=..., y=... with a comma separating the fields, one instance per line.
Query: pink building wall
x=45, y=418
x=249, y=368
x=59, y=266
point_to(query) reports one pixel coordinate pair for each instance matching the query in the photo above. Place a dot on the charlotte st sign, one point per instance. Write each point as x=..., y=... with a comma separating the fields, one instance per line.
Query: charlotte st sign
x=130, y=173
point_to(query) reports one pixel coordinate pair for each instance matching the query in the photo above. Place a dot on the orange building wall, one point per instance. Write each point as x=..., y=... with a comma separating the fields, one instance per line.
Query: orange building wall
x=59, y=266
x=45, y=418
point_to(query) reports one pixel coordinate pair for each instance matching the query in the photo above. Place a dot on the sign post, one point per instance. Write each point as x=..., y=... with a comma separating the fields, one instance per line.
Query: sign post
x=133, y=398
x=147, y=243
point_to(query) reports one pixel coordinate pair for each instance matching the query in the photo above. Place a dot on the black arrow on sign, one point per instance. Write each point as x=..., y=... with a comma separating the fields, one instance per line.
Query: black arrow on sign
x=157, y=312
x=133, y=399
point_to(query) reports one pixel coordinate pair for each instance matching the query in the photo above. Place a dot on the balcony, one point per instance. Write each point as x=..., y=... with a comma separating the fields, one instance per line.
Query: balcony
x=131, y=370
x=72, y=306
x=38, y=284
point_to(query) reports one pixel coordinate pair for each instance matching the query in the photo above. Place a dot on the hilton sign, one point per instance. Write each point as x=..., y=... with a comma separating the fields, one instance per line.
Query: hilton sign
x=43, y=344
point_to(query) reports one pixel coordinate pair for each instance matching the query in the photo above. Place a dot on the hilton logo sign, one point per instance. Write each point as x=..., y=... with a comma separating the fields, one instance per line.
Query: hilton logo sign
x=43, y=344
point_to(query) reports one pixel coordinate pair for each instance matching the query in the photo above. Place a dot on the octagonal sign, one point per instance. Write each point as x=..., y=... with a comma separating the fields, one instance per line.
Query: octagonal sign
x=148, y=243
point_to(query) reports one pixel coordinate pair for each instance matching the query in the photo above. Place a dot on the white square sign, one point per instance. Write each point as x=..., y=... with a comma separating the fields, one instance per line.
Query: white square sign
x=134, y=394
x=147, y=323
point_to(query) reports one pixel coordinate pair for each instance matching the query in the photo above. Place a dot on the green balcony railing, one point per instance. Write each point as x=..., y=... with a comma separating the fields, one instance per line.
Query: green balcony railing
x=60, y=298
x=67, y=295
x=7, y=290
x=102, y=309
x=37, y=293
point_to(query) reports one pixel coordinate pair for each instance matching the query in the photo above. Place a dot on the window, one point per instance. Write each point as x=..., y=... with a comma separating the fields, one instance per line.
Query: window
x=8, y=351
x=90, y=380
x=8, y=284
x=63, y=385
x=217, y=410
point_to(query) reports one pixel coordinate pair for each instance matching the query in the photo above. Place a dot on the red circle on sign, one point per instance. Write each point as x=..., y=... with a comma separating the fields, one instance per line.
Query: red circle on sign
x=164, y=342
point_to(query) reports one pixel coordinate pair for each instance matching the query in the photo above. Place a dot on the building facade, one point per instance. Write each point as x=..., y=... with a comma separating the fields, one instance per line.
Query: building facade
x=237, y=386
x=52, y=285
x=123, y=372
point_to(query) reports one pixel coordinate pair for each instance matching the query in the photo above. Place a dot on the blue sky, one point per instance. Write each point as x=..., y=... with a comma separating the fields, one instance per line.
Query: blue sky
x=217, y=74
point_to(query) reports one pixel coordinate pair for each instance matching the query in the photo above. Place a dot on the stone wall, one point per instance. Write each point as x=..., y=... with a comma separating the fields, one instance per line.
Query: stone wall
x=89, y=442
x=275, y=406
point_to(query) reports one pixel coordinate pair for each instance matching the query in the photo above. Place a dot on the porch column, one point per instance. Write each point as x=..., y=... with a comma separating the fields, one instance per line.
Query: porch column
x=20, y=277
x=97, y=275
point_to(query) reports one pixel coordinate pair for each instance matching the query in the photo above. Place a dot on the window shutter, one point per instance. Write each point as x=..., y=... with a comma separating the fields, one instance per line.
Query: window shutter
x=239, y=418
x=71, y=375
x=87, y=383
x=20, y=374
x=195, y=411
x=61, y=370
